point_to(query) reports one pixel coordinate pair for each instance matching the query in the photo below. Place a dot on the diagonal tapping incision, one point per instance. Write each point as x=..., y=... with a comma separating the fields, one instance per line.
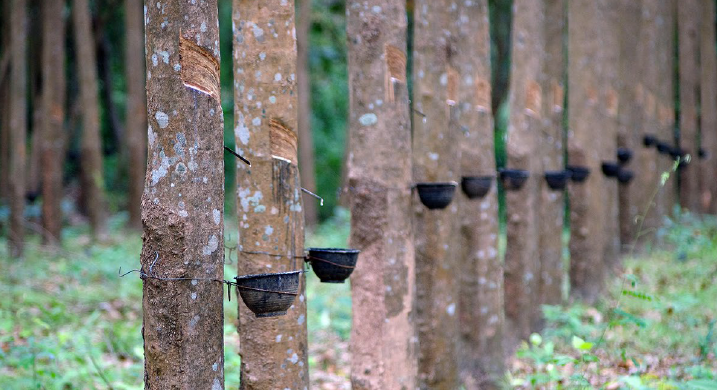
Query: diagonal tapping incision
x=199, y=68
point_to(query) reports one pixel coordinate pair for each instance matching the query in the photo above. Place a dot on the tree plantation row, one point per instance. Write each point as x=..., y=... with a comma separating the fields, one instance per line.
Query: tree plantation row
x=611, y=121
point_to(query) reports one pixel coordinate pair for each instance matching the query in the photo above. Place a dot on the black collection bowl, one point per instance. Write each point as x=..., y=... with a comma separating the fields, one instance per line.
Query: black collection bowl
x=476, y=186
x=436, y=196
x=333, y=265
x=663, y=147
x=624, y=155
x=649, y=140
x=610, y=168
x=578, y=174
x=513, y=179
x=557, y=179
x=624, y=176
x=676, y=152
x=269, y=295
x=702, y=153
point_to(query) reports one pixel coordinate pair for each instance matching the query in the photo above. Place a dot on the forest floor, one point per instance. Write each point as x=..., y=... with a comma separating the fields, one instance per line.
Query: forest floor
x=68, y=321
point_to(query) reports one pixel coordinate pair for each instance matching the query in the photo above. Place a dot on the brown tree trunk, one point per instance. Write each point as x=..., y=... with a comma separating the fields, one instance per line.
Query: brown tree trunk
x=608, y=69
x=306, y=143
x=53, y=106
x=136, y=121
x=479, y=270
x=273, y=350
x=435, y=158
x=665, y=112
x=183, y=200
x=90, y=144
x=708, y=105
x=629, y=115
x=587, y=212
x=688, y=33
x=552, y=203
x=383, y=345
x=18, y=125
x=522, y=265
x=5, y=61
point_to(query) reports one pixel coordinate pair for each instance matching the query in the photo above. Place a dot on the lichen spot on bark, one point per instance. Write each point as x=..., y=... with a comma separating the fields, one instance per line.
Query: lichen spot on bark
x=199, y=68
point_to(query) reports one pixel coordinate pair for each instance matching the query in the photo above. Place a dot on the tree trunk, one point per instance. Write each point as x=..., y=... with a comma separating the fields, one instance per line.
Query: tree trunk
x=111, y=114
x=90, y=144
x=522, y=265
x=136, y=121
x=18, y=125
x=5, y=61
x=629, y=115
x=273, y=350
x=383, y=346
x=479, y=270
x=183, y=200
x=53, y=106
x=552, y=203
x=435, y=158
x=587, y=212
x=688, y=33
x=306, y=143
x=708, y=105
x=608, y=69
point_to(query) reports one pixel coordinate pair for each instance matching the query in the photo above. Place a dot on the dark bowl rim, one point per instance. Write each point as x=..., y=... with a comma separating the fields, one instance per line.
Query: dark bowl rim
x=253, y=276
x=437, y=184
x=555, y=174
x=335, y=250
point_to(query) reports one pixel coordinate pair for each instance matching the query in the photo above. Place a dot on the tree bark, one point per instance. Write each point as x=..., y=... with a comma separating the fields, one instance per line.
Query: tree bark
x=136, y=121
x=273, y=350
x=708, y=105
x=587, y=212
x=629, y=115
x=306, y=143
x=5, y=103
x=435, y=158
x=18, y=125
x=90, y=143
x=479, y=270
x=383, y=345
x=183, y=200
x=53, y=106
x=688, y=33
x=522, y=266
x=552, y=203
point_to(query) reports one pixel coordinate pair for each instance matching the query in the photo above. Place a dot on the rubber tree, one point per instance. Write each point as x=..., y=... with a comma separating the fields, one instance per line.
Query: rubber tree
x=6, y=31
x=435, y=158
x=269, y=204
x=708, y=106
x=306, y=143
x=552, y=202
x=136, y=114
x=90, y=142
x=629, y=115
x=479, y=270
x=522, y=265
x=383, y=345
x=688, y=33
x=17, y=125
x=587, y=212
x=183, y=199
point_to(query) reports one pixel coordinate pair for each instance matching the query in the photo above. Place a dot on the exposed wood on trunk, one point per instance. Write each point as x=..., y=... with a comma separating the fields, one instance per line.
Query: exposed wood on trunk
x=269, y=205
x=306, y=143
x=708, y=106
x=522, y=265
x=435, y=159
x=136, y=118
x=688, y=33
x=183, y=201
x=383, y=344
x=587, y=212
x=53, y=118
x=629, y=115
x=552, y=202
x=90, y=143
x=18, y=125
x=479, y=270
